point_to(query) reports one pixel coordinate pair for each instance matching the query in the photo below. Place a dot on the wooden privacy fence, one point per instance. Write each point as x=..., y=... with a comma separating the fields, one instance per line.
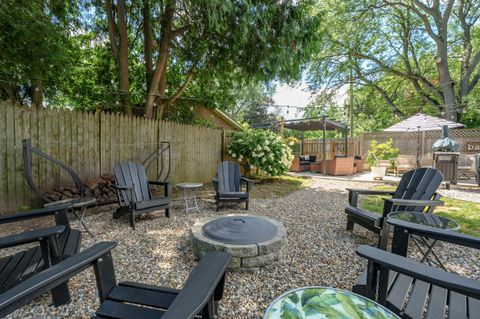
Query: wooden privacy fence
x=92, y=143
x=409, y=143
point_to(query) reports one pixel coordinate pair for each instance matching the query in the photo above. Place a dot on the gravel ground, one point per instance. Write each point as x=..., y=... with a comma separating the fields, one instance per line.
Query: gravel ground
x=320, y=252
x=471, y=194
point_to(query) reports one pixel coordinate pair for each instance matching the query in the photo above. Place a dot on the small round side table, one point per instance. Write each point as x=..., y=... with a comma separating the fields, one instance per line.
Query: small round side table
x=325, y=302
x=81, y=204
x=189, y=195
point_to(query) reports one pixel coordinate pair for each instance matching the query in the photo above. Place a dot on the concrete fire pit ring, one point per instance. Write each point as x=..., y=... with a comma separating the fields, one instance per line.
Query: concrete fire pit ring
x=245, y=257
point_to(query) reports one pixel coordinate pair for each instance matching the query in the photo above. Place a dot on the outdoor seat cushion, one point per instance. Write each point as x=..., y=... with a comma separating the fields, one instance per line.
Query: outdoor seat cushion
x=156, y=202
x=233, y=195
x=305, y=163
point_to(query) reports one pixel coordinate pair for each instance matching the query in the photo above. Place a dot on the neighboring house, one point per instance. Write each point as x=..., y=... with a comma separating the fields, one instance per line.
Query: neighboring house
x=221, y=119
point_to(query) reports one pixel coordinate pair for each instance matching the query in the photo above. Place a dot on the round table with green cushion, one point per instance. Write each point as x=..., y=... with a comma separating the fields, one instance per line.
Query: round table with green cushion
x=325, y=302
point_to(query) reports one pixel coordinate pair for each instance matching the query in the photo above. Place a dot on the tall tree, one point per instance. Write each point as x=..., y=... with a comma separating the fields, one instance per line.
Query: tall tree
x=35, y=49
x=118, y=36
x=415, y=41
x=217, y=37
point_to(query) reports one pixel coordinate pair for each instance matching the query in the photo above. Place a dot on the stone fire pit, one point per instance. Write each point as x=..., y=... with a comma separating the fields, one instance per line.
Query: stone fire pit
x=253, y=241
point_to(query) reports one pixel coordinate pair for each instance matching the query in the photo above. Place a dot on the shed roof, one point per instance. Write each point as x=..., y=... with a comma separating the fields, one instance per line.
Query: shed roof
x=314, y=125
x=422, y=122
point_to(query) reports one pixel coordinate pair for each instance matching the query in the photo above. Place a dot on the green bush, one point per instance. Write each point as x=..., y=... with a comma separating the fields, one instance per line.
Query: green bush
x=261, y=150
x=382, y=151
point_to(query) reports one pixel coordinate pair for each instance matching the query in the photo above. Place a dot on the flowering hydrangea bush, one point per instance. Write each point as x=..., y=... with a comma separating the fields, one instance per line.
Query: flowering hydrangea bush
x=261, y=149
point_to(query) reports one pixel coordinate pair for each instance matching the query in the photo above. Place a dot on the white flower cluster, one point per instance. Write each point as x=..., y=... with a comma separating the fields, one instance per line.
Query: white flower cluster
x=262, y=150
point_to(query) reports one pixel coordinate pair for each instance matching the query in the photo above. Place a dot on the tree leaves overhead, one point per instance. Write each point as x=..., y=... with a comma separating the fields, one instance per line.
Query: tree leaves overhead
x=215, y=49
x=34, y=45
x=414, y=54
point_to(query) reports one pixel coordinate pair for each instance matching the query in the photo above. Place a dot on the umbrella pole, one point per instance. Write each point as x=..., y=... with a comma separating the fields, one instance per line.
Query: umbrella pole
x=418, y=148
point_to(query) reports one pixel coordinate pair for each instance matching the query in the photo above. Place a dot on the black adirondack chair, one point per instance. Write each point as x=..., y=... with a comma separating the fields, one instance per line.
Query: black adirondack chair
x=416, y=192
x=54, y=244
x=228, y=184
x=415, y=290
x=134, y=194
x=198, y=297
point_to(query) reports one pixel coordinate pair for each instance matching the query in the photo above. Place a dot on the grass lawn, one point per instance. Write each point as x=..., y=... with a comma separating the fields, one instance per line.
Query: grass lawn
x=274, y=187
x=467, y=214
x=281, y=186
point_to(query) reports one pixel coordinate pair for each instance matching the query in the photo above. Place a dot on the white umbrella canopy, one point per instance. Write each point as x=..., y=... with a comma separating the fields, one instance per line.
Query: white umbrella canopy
x=421, y=122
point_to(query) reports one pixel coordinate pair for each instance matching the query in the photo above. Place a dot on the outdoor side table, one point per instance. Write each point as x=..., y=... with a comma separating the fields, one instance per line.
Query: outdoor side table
x=80, y=204
x=189, y=195
x=325, y=302
x=424, y=244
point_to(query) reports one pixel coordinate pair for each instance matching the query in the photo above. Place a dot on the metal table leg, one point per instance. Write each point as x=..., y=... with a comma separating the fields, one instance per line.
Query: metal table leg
x=194, y=196
x=422, y=241
x=81, y=220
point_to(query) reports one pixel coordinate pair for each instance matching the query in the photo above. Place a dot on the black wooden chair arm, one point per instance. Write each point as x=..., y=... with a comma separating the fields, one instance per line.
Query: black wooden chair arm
x=370, y=191
x=413, y=202
x=30, y=236
x=200, y=286
x=33, y=214
x=434, y=276
x=50, y=278
x=450, y=236
x=353, y=194
x=164, y=184
x=248, y=182
x=215, y=183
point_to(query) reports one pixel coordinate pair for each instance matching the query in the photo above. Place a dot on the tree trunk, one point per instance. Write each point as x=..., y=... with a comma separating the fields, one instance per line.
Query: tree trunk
x=162, y=89
x=147, y=43
x=119, y=46
x=123, y=57
x=161, y=64
x=446, y=82
x=37, y=93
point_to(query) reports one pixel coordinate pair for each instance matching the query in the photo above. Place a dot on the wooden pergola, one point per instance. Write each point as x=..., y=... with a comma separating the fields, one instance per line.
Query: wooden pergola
x=318, y=124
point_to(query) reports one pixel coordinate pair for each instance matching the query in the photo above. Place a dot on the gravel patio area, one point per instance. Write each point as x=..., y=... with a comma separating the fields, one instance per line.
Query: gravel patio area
x=320, y=252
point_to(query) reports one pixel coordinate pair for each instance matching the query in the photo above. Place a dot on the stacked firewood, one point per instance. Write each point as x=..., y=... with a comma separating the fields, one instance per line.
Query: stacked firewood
x=101, y=188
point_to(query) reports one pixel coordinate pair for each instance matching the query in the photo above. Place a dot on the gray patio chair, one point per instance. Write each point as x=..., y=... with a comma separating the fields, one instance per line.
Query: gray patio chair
x=414, y=290
x=134, y=194
x=228, y=184
x=416, y=192
x=197, y=299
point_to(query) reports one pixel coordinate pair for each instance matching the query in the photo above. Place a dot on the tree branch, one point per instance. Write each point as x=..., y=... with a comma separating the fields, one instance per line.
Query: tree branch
x=180, y=91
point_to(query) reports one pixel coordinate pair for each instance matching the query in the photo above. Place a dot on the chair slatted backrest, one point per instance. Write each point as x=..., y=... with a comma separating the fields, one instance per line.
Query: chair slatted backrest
x=417, y=184
x=131, y=174
x=228, y=175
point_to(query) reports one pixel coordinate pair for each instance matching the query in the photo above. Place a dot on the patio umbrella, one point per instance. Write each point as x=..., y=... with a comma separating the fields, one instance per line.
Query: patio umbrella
x=422, y=123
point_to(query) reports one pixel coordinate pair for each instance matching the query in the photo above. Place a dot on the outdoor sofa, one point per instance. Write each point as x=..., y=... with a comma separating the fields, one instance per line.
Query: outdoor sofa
x=338, y=166
x=302, y=163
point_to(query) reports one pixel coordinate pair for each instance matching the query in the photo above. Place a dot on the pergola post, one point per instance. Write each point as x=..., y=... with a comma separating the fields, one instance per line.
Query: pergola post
x=301, y=151
x=346, y=141
x=324, y=160
x=282, y=126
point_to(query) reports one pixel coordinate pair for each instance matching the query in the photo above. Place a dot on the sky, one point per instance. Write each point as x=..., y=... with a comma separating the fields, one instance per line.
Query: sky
x=293, y=96
x=299, y=96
